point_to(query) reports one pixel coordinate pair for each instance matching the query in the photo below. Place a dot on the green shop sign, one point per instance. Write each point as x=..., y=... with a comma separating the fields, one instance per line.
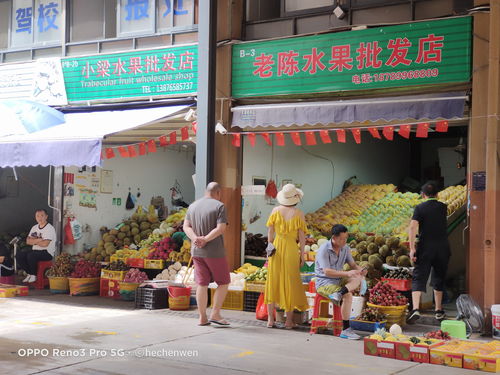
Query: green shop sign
x=420, y=53
x=135, y=74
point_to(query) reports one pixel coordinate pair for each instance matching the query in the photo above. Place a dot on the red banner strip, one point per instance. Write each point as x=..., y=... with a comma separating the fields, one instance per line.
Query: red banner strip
x=388, y=132
x=442, y=126
x=325, y=136
x=404, y=131
x=266, y=138
x=184, y=133
x=236, y=140
x=310, y=139
x=132, y=152
x=374, y=132
x=356, y=133
x=173, y=138
x=251, y=139
x=280, y=139
x=110, y=154
x=123, y=152
x=296, y=138
x=422, y=130
x=340, y=135
x=151, y=145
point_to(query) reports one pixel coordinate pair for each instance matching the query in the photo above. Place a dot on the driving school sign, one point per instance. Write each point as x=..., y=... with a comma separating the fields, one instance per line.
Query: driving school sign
x=420, y=53
x=169, y=72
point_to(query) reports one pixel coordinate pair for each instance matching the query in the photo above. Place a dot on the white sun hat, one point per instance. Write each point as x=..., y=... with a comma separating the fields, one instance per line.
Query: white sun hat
x=289, y=195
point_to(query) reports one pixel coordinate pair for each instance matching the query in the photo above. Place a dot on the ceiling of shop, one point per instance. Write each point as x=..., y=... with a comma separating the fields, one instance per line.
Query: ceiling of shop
x=153, y=130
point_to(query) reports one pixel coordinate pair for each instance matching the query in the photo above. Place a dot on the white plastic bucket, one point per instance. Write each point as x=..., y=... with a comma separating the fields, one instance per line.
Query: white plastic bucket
x=495, y=321
x=358, y=304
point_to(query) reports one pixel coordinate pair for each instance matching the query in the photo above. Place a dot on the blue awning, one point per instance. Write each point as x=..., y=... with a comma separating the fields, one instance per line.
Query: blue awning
x=78, y=141
x=402, y=108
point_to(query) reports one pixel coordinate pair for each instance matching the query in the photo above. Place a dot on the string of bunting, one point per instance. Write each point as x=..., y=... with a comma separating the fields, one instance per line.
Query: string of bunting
x=149, y=146
x=403, y=130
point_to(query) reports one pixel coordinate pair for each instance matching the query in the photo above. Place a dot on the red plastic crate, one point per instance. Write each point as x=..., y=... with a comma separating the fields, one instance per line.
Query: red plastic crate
x=401, y=285
x=135, y=262
x=109, y=288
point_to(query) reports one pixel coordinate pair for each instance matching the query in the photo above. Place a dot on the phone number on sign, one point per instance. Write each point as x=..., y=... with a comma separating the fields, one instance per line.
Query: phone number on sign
x=174, y=86
x=395, y=76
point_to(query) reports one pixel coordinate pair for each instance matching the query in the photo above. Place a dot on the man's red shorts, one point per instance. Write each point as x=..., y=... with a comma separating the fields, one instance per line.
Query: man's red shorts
x=207, y=270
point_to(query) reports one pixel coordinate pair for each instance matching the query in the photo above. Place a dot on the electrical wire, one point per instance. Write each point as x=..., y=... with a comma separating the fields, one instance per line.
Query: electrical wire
x=331, y=162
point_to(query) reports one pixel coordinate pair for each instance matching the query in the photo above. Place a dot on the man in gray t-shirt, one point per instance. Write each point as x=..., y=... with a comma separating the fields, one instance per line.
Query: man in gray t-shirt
x=205, y=225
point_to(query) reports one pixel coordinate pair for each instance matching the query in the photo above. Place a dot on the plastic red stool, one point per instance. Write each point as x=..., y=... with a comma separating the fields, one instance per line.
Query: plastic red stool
x=41, y=280
x=322, y=320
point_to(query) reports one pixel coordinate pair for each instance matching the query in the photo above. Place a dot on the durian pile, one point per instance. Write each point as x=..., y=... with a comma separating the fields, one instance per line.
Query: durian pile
x=377, y=250
x=131, y=231
x=346, y=207
x=388, y=216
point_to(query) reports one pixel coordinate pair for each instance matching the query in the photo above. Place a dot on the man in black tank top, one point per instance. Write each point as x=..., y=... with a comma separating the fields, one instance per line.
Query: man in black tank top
x=432, y=250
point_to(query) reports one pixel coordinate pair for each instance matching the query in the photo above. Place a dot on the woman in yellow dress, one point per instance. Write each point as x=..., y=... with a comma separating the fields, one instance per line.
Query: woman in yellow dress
x=286, y=225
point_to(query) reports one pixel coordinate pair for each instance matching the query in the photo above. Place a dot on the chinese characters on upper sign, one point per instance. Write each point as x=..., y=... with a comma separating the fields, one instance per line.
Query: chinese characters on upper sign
x=165, y=72
x=36, y=21
x=412, y=54
x=137, y=9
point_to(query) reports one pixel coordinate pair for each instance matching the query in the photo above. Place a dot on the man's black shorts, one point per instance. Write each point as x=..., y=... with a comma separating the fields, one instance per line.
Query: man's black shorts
x=438, y=262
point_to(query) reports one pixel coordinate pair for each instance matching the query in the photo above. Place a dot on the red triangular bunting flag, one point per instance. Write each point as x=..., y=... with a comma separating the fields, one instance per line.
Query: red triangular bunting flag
x=404, y=131
x=374, y=132
x=173, y=138
x=110, y=154
x=280, y=139
x=266, y=138
x=310, y=139
x=163, y=141
x=325, y=137
x=131, y=151
x=142, y=148
x=356, y=133
x=194, y=127
x=184, y=133
x=442, y=126
x=340, y=135
x=123, y=152
x=251, y=139
x=296, y=138
x=388, y=132
x=236, y=140
x=422, y=130
x=151, y=145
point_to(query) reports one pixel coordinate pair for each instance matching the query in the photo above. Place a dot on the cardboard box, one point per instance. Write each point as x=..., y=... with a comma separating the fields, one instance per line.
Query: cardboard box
x=483, y=362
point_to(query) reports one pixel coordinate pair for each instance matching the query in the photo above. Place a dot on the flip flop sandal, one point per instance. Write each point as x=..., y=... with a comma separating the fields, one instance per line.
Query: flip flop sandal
x=219, y=323
x=204, y=324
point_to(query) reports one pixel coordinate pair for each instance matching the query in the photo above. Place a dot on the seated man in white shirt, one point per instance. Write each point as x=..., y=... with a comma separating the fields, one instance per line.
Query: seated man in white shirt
x=42, y=238
x=332, y=281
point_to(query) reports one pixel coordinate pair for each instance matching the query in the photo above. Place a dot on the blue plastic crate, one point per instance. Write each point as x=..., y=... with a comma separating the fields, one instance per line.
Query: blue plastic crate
x=361, y=325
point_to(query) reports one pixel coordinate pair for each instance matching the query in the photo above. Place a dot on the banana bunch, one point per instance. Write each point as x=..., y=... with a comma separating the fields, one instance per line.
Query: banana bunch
x=247, y=269
x=126, y=253
x=176, y=218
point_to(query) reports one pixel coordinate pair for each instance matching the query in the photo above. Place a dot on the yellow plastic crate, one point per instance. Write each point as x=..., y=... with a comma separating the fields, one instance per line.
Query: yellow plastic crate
x=255, y=286
x=155, y=264
x=113, y=275
x=116, y=258
x=233, y=301
x=7, y=291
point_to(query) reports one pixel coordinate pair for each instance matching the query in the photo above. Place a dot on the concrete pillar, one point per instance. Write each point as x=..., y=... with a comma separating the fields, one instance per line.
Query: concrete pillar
x=227, y=166
x=492, y=151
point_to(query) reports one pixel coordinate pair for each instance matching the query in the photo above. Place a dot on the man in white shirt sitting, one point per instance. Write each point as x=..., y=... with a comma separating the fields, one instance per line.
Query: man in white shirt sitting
x=42, y=238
